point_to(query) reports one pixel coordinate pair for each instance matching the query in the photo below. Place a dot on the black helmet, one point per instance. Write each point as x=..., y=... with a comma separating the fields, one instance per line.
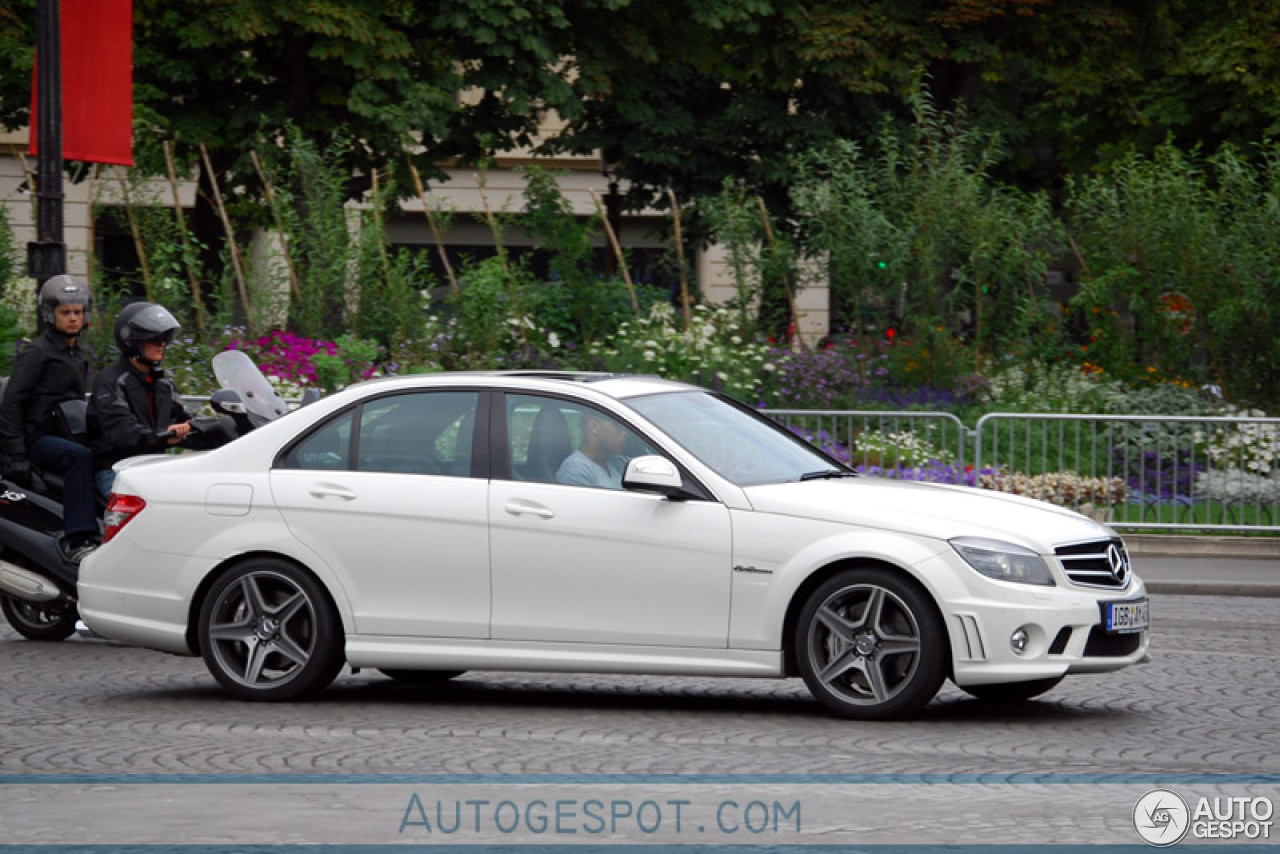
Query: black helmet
x=143, y=321
x=64, y=290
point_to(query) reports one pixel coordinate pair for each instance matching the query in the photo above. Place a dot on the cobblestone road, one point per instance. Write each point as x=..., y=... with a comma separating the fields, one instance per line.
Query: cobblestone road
x=1209, y=702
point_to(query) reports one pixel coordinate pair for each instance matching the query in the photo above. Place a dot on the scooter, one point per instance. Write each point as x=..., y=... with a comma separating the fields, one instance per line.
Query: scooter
x=37, y=582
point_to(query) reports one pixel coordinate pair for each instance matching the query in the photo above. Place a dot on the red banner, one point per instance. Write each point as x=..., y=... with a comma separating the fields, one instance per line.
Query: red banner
x=97, y=82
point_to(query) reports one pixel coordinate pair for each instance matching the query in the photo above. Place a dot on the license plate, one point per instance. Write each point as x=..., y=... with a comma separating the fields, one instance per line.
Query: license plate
x=1125, y=617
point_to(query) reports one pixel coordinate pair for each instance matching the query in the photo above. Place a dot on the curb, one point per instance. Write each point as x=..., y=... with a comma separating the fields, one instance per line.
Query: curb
x=1169, y=545
x=1220, y=547
x=1260, y=589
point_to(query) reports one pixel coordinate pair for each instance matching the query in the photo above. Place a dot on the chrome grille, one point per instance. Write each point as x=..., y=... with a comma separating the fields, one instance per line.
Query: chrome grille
x=1101, y=563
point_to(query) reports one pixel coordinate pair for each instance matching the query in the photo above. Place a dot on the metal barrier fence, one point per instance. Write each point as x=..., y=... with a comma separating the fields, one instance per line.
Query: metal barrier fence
x=1136, y=472
x=1147, y=472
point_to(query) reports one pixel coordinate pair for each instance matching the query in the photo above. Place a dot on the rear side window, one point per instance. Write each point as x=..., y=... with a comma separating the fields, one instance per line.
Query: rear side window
x=325, y=449
x=418, y=433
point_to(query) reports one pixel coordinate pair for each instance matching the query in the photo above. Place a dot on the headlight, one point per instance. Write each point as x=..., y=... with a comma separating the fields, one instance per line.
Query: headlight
x=1003, y=561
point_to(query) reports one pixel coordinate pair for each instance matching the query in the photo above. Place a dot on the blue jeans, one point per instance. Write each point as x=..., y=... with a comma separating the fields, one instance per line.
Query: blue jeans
x=75, y=464
x=104, y=479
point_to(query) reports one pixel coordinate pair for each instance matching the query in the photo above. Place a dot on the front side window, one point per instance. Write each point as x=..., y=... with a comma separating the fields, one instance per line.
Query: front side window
x=559, y=441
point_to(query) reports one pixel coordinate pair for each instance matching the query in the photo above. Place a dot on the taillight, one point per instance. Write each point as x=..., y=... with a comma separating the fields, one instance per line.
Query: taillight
x=120, y=510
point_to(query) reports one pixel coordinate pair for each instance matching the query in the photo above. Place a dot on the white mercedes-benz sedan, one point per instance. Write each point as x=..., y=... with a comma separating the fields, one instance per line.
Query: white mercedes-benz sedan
x=433, y=524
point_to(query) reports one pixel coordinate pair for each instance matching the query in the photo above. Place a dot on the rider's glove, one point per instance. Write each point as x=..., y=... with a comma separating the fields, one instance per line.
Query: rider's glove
x=19, y=472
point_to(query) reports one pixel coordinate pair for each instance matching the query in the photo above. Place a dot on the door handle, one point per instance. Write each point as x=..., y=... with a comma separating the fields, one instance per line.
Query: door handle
x=325, y=490
x=518, y=507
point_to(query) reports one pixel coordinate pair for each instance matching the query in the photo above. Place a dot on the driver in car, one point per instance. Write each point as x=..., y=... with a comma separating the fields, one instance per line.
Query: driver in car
x=598, y=461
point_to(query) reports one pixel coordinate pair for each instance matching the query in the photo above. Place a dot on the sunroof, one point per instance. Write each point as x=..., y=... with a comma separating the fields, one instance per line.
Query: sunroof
x=570, y=376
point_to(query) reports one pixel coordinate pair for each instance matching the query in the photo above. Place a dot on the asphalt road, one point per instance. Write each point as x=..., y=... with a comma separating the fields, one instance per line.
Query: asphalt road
x=101, y=743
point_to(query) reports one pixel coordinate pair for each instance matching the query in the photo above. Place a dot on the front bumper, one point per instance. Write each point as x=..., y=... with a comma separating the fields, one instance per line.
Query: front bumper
x=1063, y=635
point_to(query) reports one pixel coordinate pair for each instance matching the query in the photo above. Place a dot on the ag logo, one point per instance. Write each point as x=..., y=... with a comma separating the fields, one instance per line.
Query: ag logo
x=9, y=496
x=1161, y=817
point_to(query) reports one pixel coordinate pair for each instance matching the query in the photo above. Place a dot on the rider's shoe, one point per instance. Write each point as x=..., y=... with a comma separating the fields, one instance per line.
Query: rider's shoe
x=76, y=553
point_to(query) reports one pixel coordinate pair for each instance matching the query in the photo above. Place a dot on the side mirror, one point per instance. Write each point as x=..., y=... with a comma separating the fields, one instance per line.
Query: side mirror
x=655, y=474
x=227, y=402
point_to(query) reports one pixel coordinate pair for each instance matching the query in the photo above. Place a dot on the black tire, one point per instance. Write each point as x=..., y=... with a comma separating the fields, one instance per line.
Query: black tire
x=871, y=645
x=1012, y=692
x=40, y=621
x=420, y=677
x=268, y=631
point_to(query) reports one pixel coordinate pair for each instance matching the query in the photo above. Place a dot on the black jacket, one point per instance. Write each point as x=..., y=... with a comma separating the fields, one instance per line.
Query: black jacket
x=120, y=420
x=47, y=372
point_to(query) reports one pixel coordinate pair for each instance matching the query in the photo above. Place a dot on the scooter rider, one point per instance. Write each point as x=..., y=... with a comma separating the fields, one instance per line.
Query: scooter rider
x=49, y=371
x=133, y=402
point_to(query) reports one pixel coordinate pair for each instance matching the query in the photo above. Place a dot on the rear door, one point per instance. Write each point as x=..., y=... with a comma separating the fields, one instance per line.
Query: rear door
x=391, y=495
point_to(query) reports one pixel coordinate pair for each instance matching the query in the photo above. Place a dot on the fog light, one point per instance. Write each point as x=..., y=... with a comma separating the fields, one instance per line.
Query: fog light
x=1018, y=641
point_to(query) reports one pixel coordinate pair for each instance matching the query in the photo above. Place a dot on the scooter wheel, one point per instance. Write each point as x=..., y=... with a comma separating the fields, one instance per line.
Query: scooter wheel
x=41, y=621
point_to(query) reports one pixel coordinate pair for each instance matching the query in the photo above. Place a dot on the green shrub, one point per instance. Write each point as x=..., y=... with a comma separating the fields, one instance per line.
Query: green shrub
x=711, y=352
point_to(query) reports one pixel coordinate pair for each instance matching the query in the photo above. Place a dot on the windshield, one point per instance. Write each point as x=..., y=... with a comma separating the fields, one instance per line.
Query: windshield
x=740, y=445
x=236, y=371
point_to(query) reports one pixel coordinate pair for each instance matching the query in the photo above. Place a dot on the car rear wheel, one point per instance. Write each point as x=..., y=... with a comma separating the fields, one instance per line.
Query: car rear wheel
x=870, y=645
x=1012, y=692
x=420, y=677
x=41, y=621
x=268, y=631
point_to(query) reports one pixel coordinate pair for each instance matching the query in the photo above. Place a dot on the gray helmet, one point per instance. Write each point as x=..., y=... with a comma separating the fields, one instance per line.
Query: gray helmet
x=64, y=290
x=143, y=321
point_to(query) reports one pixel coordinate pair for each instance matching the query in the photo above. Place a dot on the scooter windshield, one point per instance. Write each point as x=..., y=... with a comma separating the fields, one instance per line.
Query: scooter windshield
x=237, y=372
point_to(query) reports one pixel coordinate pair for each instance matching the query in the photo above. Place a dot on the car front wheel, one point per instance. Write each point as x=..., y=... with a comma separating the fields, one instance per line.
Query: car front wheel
x=870, y=645
x=268, y=631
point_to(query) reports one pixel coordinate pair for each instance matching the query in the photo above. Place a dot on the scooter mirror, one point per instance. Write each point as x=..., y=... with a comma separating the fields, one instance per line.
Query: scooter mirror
x=228, y=402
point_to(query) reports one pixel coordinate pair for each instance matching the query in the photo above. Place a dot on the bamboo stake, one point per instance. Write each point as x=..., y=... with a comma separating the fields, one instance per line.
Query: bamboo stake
x=236, y=264
x=684, y=276
x=617, y=251
x=294, y=287
x=786, y=281
x=197, y=296
x=435, y=232
x=377, y=222
x=1083, y=264
x=137, y=233
x=493, y=224
x=91, y=190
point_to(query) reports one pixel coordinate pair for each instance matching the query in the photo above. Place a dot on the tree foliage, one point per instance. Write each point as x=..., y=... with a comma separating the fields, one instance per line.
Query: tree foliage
x=683, y=94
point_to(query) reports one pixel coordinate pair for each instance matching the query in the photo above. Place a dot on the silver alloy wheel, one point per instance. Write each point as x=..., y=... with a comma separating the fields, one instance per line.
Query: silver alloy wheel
x=864, y=643
x=262, y=629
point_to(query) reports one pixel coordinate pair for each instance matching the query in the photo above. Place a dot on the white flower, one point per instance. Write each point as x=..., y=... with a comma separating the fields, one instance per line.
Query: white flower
x=553, y=339
x=649, y=355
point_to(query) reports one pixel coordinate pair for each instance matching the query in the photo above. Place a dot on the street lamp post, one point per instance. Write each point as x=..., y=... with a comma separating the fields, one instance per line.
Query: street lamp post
x=47, y=255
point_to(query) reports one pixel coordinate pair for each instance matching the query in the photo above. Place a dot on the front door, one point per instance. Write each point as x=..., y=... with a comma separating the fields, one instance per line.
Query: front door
x=575, y=558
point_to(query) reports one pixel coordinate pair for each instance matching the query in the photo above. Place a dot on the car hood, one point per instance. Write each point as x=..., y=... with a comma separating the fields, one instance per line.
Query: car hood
x=930, y=510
